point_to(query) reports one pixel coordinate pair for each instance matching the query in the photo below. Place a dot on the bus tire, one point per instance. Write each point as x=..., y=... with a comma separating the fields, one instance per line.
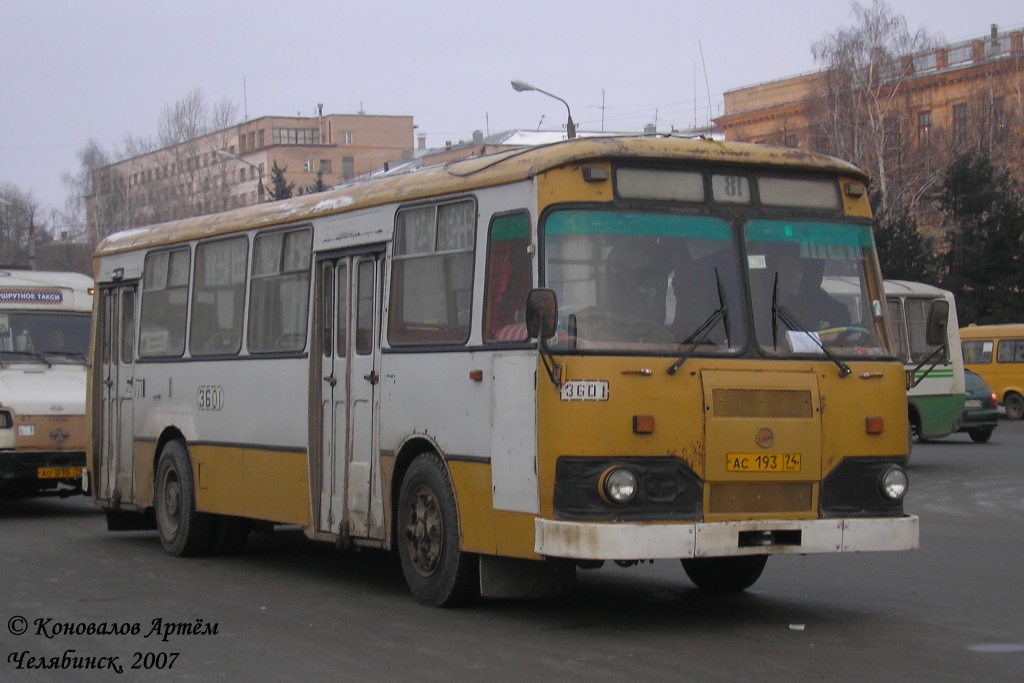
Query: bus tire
x=438, y=573
x=725, y=574
x=1014, y=405
x=184, y=532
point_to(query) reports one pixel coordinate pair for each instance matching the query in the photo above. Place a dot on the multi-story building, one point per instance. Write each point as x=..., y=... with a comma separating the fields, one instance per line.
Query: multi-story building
x=944, y=88
x=232, y=167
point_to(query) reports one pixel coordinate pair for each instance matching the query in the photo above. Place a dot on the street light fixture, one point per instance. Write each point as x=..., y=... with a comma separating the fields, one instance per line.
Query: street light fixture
x=260, y=192
x=570, y=127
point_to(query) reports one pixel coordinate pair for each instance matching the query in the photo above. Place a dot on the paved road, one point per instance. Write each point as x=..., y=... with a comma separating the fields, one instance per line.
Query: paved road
x=288, y=609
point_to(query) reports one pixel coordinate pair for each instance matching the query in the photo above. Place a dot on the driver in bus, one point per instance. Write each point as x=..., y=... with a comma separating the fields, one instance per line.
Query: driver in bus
x=801, y=293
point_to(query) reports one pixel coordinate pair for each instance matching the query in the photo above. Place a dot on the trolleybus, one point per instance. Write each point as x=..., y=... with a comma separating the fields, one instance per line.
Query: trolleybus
x=509, y=367
x=44, y=338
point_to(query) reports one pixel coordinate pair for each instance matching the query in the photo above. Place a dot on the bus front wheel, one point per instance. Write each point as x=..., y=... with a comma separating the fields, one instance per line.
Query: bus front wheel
x=439, y=574
x=184, y=532
x=1014, y=405
x=725, y=574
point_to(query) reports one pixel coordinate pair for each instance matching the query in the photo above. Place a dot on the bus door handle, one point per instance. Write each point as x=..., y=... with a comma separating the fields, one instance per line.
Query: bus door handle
x=108, y=382
x=331, y=379
x=372, y=378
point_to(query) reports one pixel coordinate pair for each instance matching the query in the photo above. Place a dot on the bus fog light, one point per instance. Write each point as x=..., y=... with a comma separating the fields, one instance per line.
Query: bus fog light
x=619, y=485
x=894, y=483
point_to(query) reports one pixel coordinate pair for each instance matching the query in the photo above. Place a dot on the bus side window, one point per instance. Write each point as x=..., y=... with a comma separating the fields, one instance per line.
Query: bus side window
x=279, y=291
x=1004, y=351
x=509, y=278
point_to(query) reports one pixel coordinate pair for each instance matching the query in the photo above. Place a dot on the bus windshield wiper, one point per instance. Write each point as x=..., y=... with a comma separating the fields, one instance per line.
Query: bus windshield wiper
x=702, y=332
x=780, y=312
x=38, y=356
x=75, y=355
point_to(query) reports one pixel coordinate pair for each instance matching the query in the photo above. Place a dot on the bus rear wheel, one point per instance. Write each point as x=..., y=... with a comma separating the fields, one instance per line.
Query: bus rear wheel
x=725, y=574
x=438, y=573
x=184, y=532
x=1014, y=405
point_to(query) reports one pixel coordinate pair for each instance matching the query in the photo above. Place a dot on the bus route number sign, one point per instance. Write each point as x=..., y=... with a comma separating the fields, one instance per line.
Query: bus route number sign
x=585, y=390
x=210, y=398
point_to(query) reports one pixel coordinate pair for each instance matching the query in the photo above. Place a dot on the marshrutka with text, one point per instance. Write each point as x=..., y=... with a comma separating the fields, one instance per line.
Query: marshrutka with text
x=44, y=339
x=513, y=366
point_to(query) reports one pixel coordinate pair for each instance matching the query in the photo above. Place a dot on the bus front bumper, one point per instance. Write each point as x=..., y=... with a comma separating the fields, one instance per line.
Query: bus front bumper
x=655, y=540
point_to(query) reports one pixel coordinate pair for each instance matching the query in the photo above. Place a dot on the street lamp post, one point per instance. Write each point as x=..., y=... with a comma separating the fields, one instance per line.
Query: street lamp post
x=260, y=191
x=570, y=127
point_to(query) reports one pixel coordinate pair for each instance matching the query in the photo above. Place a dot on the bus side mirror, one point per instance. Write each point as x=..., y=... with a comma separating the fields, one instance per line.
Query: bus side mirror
x=938, y=320
x=541, y=313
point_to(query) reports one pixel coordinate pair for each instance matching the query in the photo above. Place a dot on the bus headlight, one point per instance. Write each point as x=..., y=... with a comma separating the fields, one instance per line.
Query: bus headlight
x=619, y=485
x=894, y=483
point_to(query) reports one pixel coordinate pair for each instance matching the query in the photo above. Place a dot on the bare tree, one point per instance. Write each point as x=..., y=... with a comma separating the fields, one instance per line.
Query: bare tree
x=133, y=186
x=20, y=221
x=863, y=103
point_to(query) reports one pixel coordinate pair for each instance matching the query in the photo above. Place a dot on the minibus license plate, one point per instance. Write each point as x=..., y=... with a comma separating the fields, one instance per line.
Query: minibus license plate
x=763, y=462
x=59, y=472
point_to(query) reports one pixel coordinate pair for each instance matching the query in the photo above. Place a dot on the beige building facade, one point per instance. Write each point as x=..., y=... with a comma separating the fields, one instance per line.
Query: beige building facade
x=941, y=96
x=232, y=167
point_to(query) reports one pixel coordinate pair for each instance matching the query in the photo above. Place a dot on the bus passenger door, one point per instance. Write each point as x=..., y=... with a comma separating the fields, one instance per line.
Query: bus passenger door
x=114, y=481
x=350, y=362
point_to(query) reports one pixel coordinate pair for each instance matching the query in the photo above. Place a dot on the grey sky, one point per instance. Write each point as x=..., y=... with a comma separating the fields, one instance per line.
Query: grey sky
x=80, y=69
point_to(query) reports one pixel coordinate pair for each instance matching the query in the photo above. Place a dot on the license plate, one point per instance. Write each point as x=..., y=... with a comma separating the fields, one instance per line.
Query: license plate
x=762, y=462
x=973, y=403
x=59, y=472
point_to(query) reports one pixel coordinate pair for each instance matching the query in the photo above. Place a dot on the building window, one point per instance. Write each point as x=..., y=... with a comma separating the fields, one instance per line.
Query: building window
x=346, y=138
x=924, y=128
x=263, y=137
x=791, y=141
x=325, y=166
x=893, y=136
x=959, y=122
x=347, y=167
x=926, y=62
x=998, y=120
x=296, y=136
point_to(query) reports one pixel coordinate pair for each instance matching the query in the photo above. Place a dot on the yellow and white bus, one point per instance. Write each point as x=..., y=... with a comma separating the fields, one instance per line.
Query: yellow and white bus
x=996, y=352
x=44, y=339
x=512, y=366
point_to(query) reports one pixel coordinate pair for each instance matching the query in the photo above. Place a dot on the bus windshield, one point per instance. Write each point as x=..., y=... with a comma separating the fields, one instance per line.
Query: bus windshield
x=643, y=282
x=53, y=336
x=809, y=287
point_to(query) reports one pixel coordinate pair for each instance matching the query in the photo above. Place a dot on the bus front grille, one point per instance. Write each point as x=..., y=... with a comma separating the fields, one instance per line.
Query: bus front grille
x=733, y=497
x=763, y=403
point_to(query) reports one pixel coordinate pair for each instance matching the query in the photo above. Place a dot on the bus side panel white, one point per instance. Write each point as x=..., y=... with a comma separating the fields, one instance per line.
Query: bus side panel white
x=514, y=432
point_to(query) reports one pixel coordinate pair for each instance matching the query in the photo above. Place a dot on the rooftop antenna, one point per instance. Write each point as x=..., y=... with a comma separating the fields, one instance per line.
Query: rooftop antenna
x=245, y=99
